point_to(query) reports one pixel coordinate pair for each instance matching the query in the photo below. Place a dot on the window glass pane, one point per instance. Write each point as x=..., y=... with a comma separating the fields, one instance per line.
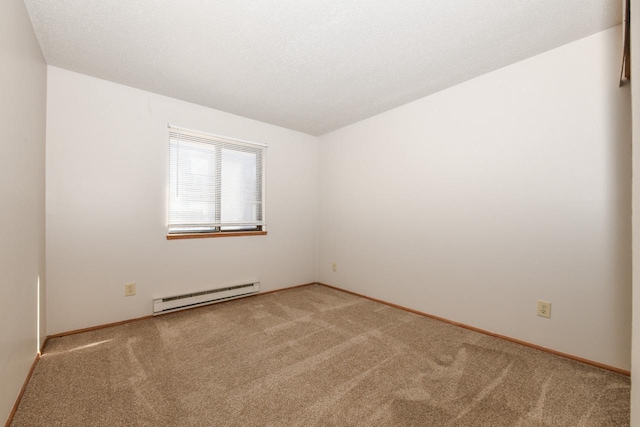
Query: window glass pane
x=240, y=187
x=192, y=186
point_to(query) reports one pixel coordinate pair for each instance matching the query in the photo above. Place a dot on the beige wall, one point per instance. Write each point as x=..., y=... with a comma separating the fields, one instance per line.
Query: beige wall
x=107, y=161
x=477, y=201
x=22, y=262
x=635, y=107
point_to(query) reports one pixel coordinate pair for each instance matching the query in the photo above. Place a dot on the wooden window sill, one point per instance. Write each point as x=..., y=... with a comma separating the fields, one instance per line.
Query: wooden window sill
x=208, y=235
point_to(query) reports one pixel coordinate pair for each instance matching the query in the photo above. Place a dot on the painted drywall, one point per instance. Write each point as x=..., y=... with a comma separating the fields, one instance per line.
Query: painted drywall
x=107, y=165
x=22, y=256
x=477, y=201
x=635, y=108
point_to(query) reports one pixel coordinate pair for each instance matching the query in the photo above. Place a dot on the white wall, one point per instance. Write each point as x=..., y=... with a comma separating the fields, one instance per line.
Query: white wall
x=107, y=161
x=477, y=201
x=22, y=261
x=635, y=106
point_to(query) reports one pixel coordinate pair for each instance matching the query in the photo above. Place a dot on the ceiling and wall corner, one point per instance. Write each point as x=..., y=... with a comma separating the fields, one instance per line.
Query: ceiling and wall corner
x=307, y=66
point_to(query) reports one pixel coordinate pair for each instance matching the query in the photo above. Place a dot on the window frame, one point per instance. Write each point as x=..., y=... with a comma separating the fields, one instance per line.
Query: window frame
x=217, y=230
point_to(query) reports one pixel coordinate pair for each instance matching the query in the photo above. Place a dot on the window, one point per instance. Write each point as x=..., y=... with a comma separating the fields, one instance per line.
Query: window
x=216, y=185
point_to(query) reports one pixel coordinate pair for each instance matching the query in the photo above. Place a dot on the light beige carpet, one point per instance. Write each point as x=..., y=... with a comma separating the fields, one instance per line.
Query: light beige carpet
x=310, y=356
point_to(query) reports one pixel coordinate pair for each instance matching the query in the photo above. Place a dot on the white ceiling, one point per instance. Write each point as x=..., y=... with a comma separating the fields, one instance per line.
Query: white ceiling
x=312, y=66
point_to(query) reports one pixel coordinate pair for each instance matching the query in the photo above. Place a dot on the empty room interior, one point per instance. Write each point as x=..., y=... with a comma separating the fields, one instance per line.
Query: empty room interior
x=319, y=213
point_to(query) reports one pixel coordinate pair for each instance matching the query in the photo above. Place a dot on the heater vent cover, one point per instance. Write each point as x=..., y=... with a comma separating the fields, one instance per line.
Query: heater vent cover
x=193, y=299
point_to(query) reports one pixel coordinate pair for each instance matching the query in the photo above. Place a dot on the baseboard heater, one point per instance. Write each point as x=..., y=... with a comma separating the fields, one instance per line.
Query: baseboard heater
x=195, y=299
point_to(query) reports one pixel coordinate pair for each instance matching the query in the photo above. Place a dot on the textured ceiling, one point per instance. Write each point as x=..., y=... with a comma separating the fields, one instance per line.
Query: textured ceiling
x=312, y=66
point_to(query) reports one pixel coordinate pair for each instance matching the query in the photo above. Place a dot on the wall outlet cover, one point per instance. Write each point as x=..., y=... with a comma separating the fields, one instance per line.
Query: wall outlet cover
x=544, y=309
x=129, y=289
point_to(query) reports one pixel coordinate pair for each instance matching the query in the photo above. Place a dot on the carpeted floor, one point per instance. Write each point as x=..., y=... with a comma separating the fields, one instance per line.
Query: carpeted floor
x=310, y=356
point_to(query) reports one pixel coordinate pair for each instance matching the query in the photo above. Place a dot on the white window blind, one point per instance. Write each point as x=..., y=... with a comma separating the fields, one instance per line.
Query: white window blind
x=216, y=184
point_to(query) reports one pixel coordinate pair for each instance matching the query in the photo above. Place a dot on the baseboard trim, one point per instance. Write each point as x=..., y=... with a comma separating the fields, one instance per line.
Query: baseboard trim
x=44, y=344
x=137, y=319
x=16, y=404
x=97, y=327
x=284, y=289
x=493, y=334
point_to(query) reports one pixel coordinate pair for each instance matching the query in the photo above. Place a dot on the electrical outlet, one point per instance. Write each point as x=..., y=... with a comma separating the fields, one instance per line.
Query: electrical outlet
x=129, y=289
x=544, y=308
x=334, y=266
